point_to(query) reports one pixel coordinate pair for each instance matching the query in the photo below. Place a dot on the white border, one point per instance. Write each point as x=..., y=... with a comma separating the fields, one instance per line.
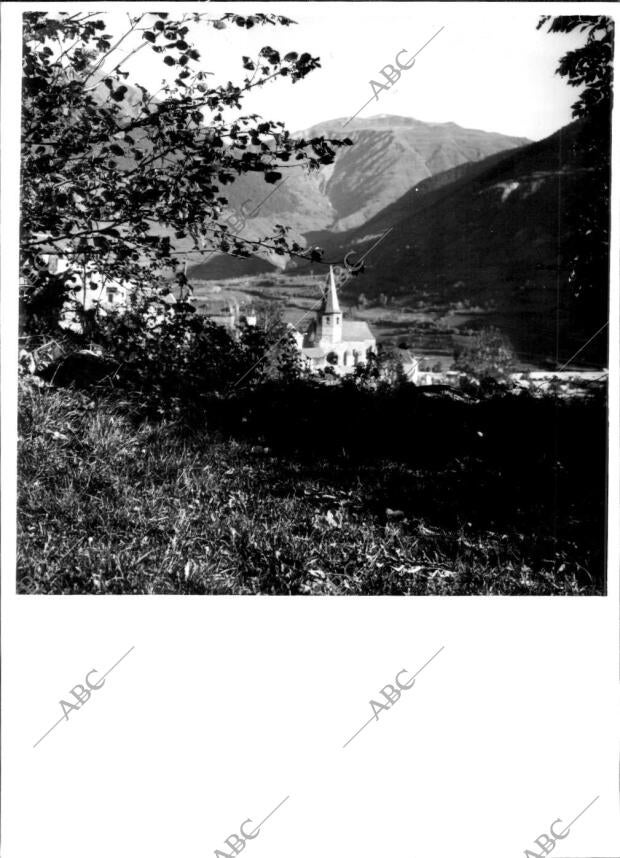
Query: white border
x=227, y=705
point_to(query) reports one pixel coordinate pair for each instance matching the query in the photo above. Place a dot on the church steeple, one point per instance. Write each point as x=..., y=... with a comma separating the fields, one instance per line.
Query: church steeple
x=331, y=314
x=332, y=304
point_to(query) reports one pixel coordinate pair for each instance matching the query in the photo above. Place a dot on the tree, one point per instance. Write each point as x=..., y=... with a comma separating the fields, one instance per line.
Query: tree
x=382, y=369
x=289, y=364
x=113, y=176
x=269, y=314
x=590, y=67
x=490, y=355
x=270, y=348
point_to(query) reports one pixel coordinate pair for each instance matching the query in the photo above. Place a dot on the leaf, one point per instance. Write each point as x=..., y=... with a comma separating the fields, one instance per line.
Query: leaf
x=272, y=176
x=57, y=436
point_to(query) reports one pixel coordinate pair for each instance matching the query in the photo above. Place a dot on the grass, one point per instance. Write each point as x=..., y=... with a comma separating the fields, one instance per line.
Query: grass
x=109, y=507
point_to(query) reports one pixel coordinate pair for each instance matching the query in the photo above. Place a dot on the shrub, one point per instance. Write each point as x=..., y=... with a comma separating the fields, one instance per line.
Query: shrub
x=489, y=355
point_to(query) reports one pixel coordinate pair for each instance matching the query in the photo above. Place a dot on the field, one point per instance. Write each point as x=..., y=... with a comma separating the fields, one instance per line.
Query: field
x=498, y=497
x=433, y=331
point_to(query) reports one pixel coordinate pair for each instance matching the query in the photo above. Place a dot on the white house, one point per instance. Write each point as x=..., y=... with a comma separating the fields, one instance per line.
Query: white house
x=332, y=341
x=92, y=290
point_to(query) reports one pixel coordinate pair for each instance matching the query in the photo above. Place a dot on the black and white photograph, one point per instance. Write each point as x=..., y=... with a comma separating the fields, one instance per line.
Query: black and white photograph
x=314, y=303
x=309, y=298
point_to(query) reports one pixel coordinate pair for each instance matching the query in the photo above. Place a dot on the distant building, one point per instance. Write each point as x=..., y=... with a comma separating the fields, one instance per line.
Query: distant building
x=565, y=383
x=89, y=288
x=424, y=371
x=221, y=310
x=93, y=289
x=332, y=341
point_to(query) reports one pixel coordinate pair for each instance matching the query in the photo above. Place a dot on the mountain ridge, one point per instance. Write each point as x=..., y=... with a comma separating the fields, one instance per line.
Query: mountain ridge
x=389, y=155
x=498, y=234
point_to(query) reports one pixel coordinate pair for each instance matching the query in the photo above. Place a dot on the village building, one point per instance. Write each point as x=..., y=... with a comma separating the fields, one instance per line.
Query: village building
x=221, y=310
x=427, y=370
x=332, y=341
x=93, y=290
x=565, y=383
x=90, y=289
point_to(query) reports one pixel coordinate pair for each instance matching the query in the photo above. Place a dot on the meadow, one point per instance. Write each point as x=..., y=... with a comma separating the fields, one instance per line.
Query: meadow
x=311, y=490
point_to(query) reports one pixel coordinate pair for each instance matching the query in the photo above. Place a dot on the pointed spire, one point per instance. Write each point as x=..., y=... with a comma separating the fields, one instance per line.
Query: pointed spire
x=332, y=304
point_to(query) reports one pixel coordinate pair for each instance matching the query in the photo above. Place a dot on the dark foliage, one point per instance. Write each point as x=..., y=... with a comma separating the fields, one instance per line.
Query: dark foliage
x=113, y=176
x=170, y=360
x=590, y=67
x=488, y=356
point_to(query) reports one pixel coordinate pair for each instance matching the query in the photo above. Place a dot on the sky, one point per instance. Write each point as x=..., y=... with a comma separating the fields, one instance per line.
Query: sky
x=488, y=68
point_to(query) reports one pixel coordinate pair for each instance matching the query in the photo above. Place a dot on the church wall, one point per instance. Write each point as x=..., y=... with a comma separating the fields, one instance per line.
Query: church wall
x=348, y=348
x=331, y=329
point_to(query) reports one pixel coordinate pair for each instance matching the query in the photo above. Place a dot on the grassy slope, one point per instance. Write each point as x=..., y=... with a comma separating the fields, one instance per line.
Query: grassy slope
x=105, y=507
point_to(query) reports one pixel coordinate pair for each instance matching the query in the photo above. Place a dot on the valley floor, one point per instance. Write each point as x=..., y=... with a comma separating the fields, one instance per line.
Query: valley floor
x=109, y=508
x=433, y=332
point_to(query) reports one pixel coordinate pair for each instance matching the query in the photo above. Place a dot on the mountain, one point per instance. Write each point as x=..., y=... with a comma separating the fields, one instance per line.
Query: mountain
x=493, y=234
x=496, y=235
x=389, y=155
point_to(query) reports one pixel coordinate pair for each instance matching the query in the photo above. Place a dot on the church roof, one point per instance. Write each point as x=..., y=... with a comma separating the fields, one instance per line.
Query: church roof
x=313, y=352
x=355, y=330
x=332, y=304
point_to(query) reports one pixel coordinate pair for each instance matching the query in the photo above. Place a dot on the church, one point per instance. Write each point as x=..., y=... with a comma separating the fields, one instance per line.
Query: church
x=332, y=341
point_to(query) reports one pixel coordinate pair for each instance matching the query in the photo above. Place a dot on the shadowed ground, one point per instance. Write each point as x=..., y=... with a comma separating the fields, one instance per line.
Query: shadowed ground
x=313, y=491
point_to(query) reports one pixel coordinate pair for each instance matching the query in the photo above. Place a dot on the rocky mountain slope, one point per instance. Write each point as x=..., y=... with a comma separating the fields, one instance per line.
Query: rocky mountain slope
x=389, y=155
x=392, y=154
